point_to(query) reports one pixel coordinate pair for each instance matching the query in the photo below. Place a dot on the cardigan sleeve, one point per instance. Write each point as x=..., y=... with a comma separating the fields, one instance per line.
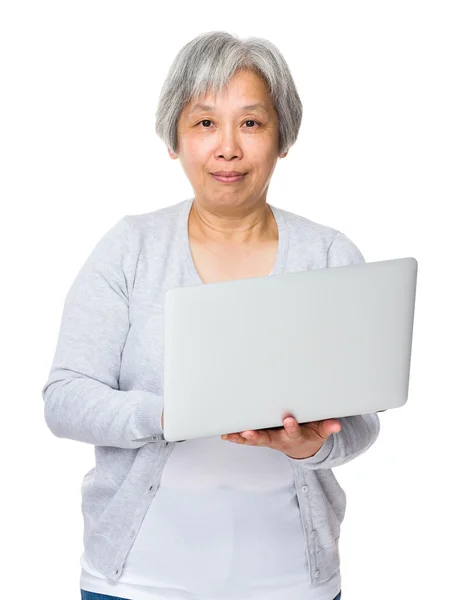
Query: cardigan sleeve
x=82, y=399
x=358, y=432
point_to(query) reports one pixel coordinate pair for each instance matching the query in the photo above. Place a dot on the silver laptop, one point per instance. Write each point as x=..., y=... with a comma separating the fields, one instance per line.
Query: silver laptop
x=316, y=344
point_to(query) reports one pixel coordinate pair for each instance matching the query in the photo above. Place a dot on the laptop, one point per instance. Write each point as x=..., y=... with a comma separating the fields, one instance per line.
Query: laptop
x=317, y=344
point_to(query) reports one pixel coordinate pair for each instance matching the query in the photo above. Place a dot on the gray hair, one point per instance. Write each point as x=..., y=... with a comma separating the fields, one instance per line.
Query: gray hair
x=208, y=62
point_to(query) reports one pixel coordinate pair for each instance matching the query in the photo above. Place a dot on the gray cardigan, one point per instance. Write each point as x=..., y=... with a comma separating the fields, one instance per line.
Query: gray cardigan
x=105, y=386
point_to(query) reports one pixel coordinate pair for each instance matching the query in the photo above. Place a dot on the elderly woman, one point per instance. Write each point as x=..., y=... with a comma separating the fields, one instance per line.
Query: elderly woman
x=254, y=516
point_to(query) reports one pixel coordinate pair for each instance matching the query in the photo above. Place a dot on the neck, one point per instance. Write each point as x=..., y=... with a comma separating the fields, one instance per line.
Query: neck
x=243, y=225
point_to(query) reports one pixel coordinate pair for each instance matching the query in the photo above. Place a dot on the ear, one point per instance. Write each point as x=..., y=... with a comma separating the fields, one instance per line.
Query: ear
x=284, y=154
x=172, y=154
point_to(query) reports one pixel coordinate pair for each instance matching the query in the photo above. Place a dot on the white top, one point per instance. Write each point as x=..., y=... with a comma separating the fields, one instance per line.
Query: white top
x=228, y=514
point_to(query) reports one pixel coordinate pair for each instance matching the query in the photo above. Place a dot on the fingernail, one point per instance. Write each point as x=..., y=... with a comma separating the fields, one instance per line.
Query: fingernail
x=224, y=437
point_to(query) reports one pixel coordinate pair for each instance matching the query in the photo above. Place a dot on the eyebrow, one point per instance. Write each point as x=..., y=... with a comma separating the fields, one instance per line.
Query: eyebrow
x=207, y=107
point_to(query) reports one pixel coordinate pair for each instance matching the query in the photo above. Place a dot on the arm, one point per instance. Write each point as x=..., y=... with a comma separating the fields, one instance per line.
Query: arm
x=82, y=400
x=358, y=432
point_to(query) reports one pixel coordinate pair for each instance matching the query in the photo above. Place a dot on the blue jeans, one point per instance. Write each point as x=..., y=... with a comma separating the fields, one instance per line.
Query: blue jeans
x=92, y=596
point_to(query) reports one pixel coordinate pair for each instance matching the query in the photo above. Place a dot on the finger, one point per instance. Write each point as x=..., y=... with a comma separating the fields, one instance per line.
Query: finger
x=331, y=426
x=321, y=429
x=239, y=438
x=231, y=437
x=292, y=428
x=256, y=437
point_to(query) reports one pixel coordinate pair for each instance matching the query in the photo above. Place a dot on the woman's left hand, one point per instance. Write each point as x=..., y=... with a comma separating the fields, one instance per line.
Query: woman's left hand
x=296, y=440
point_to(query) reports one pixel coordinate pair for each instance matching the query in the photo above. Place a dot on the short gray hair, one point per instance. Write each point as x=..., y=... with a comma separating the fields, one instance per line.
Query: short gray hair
x=208, y=62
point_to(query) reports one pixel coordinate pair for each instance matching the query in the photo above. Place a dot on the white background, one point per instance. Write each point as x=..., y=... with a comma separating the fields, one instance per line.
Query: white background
x=379, y=156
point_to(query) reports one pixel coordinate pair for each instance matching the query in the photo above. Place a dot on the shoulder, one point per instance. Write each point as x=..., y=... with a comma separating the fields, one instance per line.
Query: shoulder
x=302, y=228
x=123, y=240
x=156, y=221
x=335, y=245
x=343, y=251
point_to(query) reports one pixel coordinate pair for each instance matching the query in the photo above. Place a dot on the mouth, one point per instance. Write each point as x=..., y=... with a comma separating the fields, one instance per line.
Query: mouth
x=231, y=179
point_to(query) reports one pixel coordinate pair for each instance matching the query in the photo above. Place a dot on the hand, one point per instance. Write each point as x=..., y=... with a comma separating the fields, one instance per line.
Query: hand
x=293, y=439
x=162, y=420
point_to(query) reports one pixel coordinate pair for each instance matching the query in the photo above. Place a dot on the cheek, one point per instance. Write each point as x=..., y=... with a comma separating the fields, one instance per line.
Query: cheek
x=198, y=156
x=194, y=163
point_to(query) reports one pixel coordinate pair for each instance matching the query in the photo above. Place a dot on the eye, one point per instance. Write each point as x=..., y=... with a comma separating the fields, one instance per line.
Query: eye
x=247, y=121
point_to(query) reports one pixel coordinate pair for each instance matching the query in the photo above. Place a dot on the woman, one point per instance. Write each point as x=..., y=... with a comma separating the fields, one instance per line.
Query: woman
x=258, y=518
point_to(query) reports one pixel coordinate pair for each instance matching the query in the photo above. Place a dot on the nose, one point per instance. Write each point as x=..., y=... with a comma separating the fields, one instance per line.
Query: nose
x=228, y=145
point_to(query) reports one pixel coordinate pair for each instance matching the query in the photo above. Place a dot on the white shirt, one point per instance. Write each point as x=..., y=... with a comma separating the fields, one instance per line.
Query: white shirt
x=229, y=515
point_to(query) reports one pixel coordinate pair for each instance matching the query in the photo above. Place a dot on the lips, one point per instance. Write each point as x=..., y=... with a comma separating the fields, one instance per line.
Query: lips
x=228, y=173
x=227, y=178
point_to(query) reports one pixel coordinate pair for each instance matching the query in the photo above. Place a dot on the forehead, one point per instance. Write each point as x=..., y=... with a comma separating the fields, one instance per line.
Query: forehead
x=201, y=106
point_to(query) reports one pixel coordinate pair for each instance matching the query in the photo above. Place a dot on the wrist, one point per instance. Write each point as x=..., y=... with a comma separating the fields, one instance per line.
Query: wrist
x=306, y=455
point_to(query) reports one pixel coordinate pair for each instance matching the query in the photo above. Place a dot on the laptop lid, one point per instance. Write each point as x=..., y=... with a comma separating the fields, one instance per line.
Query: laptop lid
x=318, y=344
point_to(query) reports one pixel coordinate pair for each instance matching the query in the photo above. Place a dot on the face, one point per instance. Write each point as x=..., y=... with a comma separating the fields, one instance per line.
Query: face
x=229, y=136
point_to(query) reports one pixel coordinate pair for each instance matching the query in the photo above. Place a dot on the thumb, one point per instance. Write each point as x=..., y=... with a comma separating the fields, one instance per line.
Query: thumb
x=331, y=426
